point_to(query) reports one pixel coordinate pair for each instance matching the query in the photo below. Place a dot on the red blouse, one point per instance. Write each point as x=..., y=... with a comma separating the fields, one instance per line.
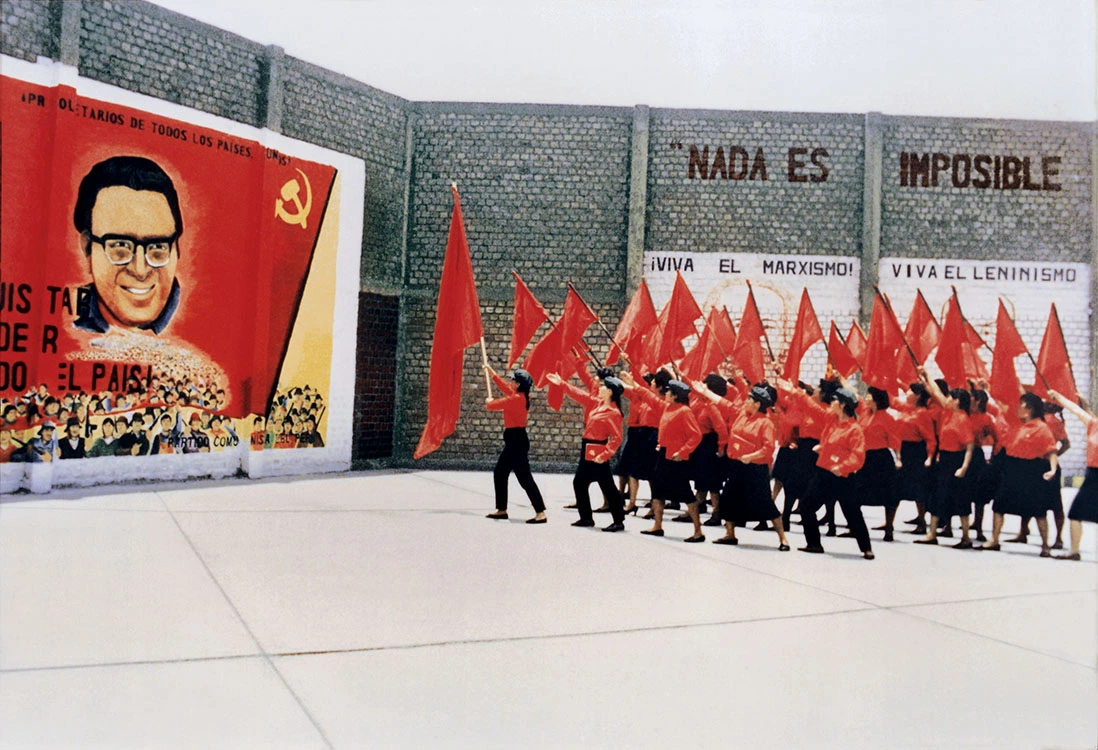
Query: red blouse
x=751, y=433
x=512, y=404
x=710, y=419
x=1029, y=440
x=789, y=421
x=601, y=422
x=679, y=433
x=1092, y=444
x=983, y=427
x=914, y=425
x=881, y=431
x=815, y=417
x=1056, y=425
x=955, y=430
x=842, y=447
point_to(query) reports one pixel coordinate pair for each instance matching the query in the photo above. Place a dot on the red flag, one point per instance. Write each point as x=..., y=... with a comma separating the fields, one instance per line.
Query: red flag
x=885, y=341
x=675, y=322
x=857, y=343
x=529, y=315
x=806, y=333
x=725, y=332
x=638, y=321
x=1005, y=387
x=569, y=366
x=574, y=321
x=544, y=358
x=716, y=342
x=923, y=333
x=1053, y=361
x=842, y=361
x=748, y=351
x=457, y=326
x=975, y=368
x=956, y=356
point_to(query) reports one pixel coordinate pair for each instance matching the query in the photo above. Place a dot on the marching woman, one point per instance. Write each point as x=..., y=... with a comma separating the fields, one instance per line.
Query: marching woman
x=986, y=477
x=816, y=415
x=515, y=457
x=601, y=437
x=751, y=442
x=1085, y=505
x=953, y=491
x=841, y=454
x=877, y=478
x=638, y=455
x=1054, y=419
x=708, y=466
x=677, y=437
x=918, y=442
x=1029, y=465
x=785, y=464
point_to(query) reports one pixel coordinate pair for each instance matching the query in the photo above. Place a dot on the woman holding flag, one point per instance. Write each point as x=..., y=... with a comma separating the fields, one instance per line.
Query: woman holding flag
x=515, y=457
x=1085, y=505
x=602, y=421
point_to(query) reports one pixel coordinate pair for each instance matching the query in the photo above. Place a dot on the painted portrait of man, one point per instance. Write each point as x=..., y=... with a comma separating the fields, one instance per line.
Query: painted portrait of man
x=127, y=213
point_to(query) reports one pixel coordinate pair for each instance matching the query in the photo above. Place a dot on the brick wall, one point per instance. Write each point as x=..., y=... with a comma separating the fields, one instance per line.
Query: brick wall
x=732, y=204
x=1019, y=224
x=29, y=28
x=375, y=376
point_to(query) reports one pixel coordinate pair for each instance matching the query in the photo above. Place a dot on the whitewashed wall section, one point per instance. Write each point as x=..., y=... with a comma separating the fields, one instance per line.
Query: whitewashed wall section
x=718, y=279
x=1027, y=290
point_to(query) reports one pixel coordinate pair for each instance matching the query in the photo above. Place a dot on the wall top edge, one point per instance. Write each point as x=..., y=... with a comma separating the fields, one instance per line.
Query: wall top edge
x=743, y=114
x=1080, y=126
x=165, y=14
x=340, y=79
x=487, y=108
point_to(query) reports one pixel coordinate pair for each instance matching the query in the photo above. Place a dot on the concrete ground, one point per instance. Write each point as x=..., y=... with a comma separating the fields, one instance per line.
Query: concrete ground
x=383, y=610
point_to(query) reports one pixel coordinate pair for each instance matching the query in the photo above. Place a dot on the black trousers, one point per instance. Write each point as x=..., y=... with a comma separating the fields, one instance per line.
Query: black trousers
x=515, y=457
x=823, y=487
x=588, y=472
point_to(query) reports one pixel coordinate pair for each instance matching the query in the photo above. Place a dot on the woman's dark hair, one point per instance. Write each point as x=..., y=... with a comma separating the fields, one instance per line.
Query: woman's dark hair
x=616, y=388
x=1033, y=404
x=964, y=399
x=979, y=398
x=880, y=398
x=806, y=388
x=827, y=390
x=663, y=377
x=922, y=395
x=716, y=383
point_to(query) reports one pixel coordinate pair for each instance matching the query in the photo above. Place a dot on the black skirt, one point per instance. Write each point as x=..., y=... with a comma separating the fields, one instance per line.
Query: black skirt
x=746, y=495
x=876, y=480
x=784, y=465
x=802, y=468
x=953, y=495
x=991, y=474
x=672, y=478
x=1022, y=490
x=913, y=477
x=638, y=456
x=1055, y=494
x=706, y=467
x=1085, y=505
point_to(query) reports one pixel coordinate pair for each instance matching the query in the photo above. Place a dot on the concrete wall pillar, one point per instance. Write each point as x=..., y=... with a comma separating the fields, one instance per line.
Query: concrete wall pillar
x=638, y=200
x=68, y=36
x=274, y=62
x=871, y=213
x=1094, y=268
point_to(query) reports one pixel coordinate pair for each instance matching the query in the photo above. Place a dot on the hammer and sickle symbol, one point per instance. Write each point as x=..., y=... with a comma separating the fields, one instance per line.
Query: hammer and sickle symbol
x=290, y=194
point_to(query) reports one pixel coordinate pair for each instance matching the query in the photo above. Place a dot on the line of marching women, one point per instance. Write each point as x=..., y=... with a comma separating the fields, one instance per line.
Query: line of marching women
x=732, y=446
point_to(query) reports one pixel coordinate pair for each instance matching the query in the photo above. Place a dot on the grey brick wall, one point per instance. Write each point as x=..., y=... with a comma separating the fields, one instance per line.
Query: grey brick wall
x=339, y=113
x=954, y=222
x=719, y=213
x=29, y=28
x=140, y=47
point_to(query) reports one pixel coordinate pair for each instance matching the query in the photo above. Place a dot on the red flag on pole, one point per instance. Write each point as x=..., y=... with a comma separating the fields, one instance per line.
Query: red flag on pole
x=885, y=340
x=842, y=360
x=574, y=321
x=975, y=368
x=638, y=321
x=544, y=357
x=923, y=333
x=806, y=333
x=1004, y=385
x=457, y=326
x=529, y=315
x=675, y=322
x=857, y=343
x=716, y=342
x=950, y=355
x=747, y=354
x=1053, y=361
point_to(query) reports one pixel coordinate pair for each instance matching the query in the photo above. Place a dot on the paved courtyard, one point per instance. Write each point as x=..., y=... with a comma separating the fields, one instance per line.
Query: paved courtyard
x=383, y=610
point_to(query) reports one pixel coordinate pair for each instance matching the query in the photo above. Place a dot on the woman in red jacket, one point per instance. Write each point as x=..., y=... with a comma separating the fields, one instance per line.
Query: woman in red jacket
x=1085, y=505
x=954, y=490
x=677, y=437
x=918, y=442
x=841, y=453
x=746, y=494
x=877, y=479
x=515, y=457
x=602, y=419
x=1029, y=464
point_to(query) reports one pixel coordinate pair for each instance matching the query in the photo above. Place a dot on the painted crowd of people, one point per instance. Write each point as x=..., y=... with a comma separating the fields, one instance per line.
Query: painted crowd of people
x=730, y=449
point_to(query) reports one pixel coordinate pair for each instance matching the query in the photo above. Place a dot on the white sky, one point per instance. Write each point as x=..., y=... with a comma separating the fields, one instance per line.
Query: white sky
x=1030, y=59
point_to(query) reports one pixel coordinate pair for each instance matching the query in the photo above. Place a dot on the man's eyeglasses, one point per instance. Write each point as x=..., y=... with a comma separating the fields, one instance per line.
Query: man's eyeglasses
x=121, y=248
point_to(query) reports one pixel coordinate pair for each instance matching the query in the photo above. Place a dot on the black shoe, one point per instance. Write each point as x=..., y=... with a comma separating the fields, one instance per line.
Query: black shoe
x=584, y=523
x=681, y=519
x=652, y=532
x=762, y=526
x=963, y=544
x=694, y=539
x=981, y=538
x=616, y=526
x=927, y=541
x=648, y=516
x=1058, y=544
x=888, y=536
x=946, y=533
x=727, y=540
x=916, y=521
x=712, y=521
x=813, y=548
x=846, y=535
x=1045, y=552
x=674, y=505
x=991, y=547
x=882, y=527
x=630, y=511
x=536, y=520
x=919, y=529
x=869, y=555
x=1070, y=556
x=603, y=509
x=831, y=531
x=497, y=515
x=783, y=548
x=1020, y=539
